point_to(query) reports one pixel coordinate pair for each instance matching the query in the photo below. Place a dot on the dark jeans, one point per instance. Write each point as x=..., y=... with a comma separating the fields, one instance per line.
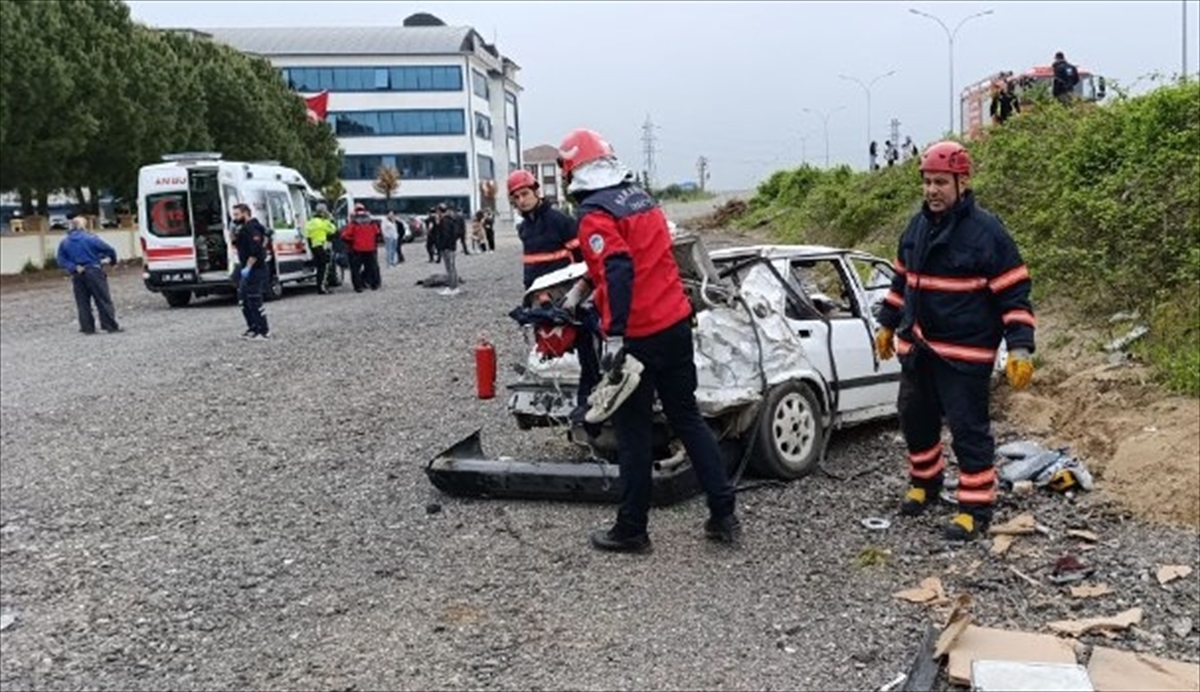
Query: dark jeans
x=321, y=263
x=431, y=248
x=587, y=348
x=253, y=308
x=670, y=370
x=490, y=231
x=92, y=286
x=364, y=270
x=929, y=389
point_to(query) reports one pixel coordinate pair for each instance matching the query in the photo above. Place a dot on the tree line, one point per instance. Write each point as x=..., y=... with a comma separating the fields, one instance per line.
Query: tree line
x=87, y=96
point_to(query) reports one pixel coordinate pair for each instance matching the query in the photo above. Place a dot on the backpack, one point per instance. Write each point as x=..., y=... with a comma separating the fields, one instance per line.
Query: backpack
x=1070, y=75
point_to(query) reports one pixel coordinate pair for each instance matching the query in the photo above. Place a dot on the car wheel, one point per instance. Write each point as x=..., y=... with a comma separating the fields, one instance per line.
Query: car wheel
x=178, y=299
x=790, y=435
x=274, y=288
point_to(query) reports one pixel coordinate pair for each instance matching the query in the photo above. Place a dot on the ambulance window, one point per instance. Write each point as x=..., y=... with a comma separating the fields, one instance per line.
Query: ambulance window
x=280, y=209
x=167, y=214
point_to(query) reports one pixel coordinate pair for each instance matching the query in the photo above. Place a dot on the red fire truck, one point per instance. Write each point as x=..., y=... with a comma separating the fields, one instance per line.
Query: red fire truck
x=976, y=99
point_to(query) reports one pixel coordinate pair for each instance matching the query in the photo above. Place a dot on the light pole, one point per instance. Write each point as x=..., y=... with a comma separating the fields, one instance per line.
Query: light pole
x=950, y=35
x=867, y=89
x=825, y=118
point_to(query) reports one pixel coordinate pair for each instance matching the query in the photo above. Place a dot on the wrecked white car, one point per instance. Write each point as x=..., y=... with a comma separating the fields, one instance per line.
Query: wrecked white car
x=784, y=356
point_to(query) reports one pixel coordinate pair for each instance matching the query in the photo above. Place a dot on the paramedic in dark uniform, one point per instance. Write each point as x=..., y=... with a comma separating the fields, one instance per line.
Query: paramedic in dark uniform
x=645, y=313
x=960, y=287
x=550, y=241
x=251, y=238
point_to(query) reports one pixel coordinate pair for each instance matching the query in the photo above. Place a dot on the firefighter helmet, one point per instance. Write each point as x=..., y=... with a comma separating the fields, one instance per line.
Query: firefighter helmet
x=946, y=157
x=520, y=179
x=580, y=147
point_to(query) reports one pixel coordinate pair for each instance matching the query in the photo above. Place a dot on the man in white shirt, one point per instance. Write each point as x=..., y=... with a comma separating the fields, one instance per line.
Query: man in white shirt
x=391, y=238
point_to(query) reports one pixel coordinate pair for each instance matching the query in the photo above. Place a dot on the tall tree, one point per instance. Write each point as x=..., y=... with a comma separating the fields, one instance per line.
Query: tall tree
x=387, y=181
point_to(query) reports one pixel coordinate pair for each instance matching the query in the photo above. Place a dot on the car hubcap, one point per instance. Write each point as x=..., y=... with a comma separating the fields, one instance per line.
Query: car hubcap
x=793, y=428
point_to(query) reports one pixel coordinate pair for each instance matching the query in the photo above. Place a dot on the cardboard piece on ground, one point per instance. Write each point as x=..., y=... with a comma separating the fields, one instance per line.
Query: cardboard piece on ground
x=1078, y=628
x=1112, y=670
x=930, y=591
x=987, y=644
x=1169, y=573
x=1090, y=590
x=1085, y=535
x=1021, y=525
x=956, y=624
x=1014, y=676
x=1001, y=544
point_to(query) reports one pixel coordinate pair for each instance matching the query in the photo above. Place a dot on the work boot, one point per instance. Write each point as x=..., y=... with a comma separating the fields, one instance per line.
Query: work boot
x=726, y=529
x=965, y=526
x=613, y=541
x=916, y=500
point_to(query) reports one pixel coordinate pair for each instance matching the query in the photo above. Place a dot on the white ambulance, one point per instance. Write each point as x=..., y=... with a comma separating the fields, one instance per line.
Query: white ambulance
x=185, y=208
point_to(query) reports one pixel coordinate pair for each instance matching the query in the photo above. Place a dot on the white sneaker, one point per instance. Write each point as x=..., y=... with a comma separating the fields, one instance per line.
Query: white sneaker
x=613, y=390
x=453, y=292
x=444, y=292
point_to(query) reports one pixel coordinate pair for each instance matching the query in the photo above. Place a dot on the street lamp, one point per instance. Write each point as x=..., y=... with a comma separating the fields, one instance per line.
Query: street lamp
x=867, y=89
x=950, y=35
x=825, y=118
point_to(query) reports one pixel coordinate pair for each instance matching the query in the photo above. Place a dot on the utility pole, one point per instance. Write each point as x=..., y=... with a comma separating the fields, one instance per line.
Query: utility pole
x=866, y=87
x=648, y=150
x=1184, y=74
x=950, y=37
x=702, y=170
x=824, y=116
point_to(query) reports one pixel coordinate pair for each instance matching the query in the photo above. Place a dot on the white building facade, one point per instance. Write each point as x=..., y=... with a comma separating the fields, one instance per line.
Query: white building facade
x=437, y=103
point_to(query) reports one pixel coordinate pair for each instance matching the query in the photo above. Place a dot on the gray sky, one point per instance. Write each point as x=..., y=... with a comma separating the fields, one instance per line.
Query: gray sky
x=730, y=81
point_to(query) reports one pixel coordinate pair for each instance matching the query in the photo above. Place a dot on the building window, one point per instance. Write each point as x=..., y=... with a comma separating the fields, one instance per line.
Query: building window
x=398, y=123
x=487, y=167
x=413, y=206
x=408, y=78
x=410, y=166
x=483, y=126
x=479, y=85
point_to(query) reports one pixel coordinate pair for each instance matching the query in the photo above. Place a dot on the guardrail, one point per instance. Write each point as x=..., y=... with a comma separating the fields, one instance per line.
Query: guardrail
x=18, y=250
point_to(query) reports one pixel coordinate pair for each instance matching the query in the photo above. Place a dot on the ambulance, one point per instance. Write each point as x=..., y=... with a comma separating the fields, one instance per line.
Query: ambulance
x=185, y=207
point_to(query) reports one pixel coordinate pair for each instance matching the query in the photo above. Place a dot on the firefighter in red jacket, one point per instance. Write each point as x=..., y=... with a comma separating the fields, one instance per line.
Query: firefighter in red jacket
x=960, y=287
x=645, y=314
x=362, y=235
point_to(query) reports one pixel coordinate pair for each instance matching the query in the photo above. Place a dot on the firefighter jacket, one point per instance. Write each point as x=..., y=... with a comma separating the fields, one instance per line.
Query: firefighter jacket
x=361, y=234
x=550, y=240
x=631, y=263
x=960, y=287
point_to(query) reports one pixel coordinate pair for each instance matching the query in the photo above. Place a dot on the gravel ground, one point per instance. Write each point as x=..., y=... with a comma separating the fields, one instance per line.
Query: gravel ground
x=180, y=509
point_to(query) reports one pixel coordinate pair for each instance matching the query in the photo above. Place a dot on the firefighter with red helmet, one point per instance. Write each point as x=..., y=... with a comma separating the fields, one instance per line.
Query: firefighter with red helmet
x=960, y=287
x=646, y=320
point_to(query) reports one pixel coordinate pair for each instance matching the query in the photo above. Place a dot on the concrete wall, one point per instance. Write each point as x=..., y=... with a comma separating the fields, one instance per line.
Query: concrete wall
x=18, y=248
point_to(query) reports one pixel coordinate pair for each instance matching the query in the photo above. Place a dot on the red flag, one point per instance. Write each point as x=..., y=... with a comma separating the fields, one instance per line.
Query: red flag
x=318, y=106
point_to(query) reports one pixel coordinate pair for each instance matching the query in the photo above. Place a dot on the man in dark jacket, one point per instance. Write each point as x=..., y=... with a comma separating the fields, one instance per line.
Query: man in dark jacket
x=362, y=235
x=251, y=239
x=430, y=239
x=81, y=255
x=1066, y=76
x=1005, y=102
x=445, y=231
x=960, y=287
x=489, y=230
x=645, y=316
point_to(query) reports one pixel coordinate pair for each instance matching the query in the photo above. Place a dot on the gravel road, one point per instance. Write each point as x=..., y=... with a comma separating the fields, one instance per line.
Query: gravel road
x=180, y=509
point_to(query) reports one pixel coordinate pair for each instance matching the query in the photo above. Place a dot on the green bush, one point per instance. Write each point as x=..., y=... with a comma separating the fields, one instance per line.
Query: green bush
x=50, y=263
x=1102, y=200
x=30, y=267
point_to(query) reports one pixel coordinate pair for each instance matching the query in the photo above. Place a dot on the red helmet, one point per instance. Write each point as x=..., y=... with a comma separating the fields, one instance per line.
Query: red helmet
x=946, y=157
x=555, y=340
x=580, y=147
x=520, y=179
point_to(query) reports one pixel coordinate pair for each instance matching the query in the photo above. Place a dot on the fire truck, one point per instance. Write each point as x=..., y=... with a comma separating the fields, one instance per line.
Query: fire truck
x=976, y=99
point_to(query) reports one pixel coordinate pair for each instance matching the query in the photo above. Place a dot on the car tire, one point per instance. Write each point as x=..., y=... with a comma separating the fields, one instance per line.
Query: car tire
x=790, y=435
x=178, y=299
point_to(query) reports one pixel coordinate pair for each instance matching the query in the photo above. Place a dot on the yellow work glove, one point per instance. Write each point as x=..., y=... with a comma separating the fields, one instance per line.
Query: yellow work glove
x=883, y=343
x=1019, y=368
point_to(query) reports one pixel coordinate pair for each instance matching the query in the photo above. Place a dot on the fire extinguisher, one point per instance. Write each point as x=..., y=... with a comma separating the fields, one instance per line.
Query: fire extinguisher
x=485, y=369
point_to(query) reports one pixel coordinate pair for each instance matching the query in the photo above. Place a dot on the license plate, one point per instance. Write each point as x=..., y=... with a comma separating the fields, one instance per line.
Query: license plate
x=177, y=277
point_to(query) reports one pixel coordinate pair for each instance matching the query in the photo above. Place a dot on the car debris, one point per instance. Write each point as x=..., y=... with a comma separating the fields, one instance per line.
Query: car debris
x=1021, y=676
x=896, y=682
x=1120, y=344
x=1025, y=460
x=1068, y=569
x=876, y=524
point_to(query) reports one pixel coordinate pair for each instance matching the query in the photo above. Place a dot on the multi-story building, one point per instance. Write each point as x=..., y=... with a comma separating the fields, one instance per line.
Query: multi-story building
x=437, y=103
x=542, y=162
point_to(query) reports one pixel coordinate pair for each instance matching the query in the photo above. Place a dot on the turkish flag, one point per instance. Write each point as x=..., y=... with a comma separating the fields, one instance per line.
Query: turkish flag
x=318, y=106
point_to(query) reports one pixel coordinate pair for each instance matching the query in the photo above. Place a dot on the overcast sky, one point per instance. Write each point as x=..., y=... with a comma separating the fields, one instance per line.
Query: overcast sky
x=730, y=81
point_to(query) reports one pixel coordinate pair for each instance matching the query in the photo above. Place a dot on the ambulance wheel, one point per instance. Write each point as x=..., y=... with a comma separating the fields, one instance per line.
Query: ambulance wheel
x=789, y=432
x=178, y=299
x=274, y=288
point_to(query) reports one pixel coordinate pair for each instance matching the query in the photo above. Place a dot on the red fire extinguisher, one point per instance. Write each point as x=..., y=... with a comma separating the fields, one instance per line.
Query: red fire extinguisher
x=485, y=369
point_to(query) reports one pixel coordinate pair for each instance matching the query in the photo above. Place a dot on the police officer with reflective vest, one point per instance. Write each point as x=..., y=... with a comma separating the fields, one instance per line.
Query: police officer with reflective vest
x=318, y=231
x=646, y=315
x=960, y=287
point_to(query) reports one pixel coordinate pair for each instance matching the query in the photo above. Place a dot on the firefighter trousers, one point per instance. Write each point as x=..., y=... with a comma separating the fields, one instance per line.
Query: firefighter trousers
x=931, y=388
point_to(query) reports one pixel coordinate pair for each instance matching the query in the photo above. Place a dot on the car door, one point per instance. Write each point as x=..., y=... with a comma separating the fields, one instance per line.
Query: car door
x=830, y=324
